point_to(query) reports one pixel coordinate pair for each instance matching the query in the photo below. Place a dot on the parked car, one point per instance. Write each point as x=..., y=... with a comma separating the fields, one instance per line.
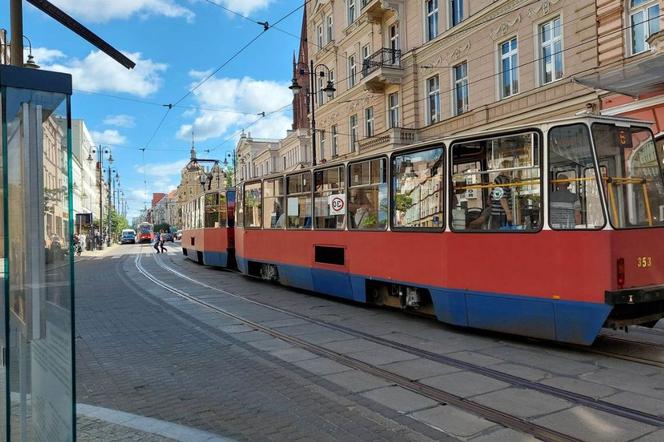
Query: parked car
x=167, y=236
x=178, y=235
x=128, y=236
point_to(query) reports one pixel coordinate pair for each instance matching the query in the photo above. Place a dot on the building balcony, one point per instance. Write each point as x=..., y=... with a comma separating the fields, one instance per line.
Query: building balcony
x=375, y=10
x=388, y=140
x=381, y=69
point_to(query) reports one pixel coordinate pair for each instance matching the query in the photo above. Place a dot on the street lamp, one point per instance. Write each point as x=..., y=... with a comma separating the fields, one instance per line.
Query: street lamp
x=233, y=155
x=324, y=72
x=100, y=152
x=31, y=60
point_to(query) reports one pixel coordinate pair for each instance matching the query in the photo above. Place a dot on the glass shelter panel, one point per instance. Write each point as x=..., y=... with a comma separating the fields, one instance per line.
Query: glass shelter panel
x=632, y=175
x=417, y=186
x=368, y=208
x=273, y=202
x=252, y=205
x=574, y=195
x=298, y=211
x=38, y=261
x=496, y=184
x=330, y=198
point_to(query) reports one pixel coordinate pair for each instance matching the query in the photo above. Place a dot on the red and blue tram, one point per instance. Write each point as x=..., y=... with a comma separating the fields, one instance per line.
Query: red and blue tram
x=145, y=232
x=550, y=230
x=209, y=235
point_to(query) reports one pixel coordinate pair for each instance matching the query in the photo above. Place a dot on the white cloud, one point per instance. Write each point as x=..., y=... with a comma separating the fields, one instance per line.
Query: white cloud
x=244, y=7
x=45, y=55
x=109, y=136
x=100, y=11
x=97, y=72
x=163, y=169
x=120, y=120
x=240, y=102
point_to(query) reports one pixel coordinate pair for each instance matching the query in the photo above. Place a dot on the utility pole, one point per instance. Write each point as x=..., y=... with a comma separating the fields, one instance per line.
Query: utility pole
x=101, y=192
x=108, y=226
x=16, y=12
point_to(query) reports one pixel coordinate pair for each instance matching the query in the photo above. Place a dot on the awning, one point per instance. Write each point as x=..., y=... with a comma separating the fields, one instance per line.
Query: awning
x=634, y=79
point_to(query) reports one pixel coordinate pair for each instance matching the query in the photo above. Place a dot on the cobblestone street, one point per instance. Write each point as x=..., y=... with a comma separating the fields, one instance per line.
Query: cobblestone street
x=167, y=349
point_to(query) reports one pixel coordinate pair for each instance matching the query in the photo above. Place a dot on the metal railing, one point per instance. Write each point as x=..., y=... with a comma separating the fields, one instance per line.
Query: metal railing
x=384, y=57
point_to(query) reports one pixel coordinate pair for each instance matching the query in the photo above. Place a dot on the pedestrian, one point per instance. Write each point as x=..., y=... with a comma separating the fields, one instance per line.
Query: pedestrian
x=157, y=242
x=162, y=240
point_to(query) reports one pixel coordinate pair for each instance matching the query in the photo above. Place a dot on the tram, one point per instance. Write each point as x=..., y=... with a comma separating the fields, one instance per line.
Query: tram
x=209, y=234
x=549, y=230
x=145, y=232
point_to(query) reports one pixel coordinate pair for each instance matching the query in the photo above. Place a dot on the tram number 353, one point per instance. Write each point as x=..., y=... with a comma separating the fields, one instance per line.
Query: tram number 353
x=644, y=262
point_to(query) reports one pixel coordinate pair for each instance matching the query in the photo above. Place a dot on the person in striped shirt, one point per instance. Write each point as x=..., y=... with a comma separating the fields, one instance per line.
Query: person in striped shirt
x=565, y=206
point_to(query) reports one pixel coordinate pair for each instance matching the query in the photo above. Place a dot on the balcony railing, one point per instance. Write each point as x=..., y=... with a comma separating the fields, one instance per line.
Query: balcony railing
x=384, y=57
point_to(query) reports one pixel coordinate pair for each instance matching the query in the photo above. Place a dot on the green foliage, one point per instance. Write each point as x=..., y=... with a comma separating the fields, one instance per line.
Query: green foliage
x=230, y=174
x=403, y=202
x=163, y=226
x=118, y=223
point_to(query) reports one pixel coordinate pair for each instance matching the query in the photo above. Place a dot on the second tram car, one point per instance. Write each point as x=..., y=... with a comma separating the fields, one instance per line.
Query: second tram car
x=550, y=230
x=210, y=235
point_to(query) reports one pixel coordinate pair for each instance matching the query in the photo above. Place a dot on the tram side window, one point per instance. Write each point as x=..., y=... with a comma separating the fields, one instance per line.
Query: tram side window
x=274, y=215
x=230, y=208
x=417, y=186
x=574, y=195
x=368, y=195
x=239, y=206
x=252, y=205
x=298, y=202
x=212, y=210
x=330, y=198
x=632, y=177
x=223, y=210
x=496, y=184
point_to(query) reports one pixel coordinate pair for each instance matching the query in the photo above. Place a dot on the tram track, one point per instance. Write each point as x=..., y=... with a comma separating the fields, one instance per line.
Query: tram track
x=515, y=381
x=438, y=395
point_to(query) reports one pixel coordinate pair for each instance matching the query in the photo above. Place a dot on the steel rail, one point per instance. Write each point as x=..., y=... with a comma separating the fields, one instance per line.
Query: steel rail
x=489, y=413
x=597, y=404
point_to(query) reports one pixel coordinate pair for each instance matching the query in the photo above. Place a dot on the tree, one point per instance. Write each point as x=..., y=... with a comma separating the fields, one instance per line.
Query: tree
x=230, y=175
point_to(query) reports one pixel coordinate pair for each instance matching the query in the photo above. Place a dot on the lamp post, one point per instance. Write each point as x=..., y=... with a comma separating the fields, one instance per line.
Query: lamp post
x=234, y=155
x=328, y=89
x=100, y=167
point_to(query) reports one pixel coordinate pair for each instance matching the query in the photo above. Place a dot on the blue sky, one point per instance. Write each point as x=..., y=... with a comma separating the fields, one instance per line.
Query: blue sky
x=175, y=43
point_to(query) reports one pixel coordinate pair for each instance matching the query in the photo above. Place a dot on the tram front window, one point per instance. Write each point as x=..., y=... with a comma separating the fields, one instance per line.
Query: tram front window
x=631, y=175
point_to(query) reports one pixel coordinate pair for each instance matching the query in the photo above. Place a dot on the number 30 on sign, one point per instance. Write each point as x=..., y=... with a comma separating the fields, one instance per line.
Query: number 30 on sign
x=643, y=262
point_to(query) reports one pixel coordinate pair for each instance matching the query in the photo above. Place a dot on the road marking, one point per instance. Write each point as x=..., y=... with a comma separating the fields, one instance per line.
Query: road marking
x=148, y=424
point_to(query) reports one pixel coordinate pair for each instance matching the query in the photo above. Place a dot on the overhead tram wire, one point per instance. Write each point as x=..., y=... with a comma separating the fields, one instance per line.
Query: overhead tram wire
x=266, y=27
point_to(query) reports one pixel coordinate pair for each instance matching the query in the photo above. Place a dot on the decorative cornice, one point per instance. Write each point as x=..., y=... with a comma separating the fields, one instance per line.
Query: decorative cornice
x=505, y=27
x=456, y=53
x=543, y=9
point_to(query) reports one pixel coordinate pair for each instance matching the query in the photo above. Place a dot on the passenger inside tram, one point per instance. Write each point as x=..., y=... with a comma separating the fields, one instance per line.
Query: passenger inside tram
x=496, y=184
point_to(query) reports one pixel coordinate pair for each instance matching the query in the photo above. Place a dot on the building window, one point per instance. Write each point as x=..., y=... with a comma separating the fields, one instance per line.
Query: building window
x=353, y=132
x=319, y=91
x=643, y=21
x=509, y=74
x=393, y=114
x=551, y=51
x=351, y=11
x=433, y=100
x=432, y=19
x=366, y=53
x=330, y=28
x=322, y=144
x=460, y=88
x=319, y=34
x=335, y=142
x=369, y=122
x=456, y=12
x=394, y=42
x=352, y=71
